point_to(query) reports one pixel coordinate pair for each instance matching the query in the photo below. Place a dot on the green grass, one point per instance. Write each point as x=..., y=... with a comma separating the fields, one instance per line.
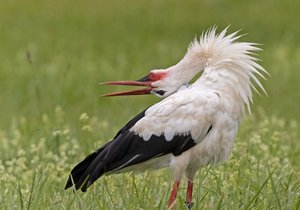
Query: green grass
x=53, y=54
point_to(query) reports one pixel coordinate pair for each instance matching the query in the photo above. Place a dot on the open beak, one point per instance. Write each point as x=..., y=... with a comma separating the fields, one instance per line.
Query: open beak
x=145, y=82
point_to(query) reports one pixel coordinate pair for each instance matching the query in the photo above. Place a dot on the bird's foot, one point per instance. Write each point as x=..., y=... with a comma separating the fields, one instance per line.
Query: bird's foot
x=189, y=205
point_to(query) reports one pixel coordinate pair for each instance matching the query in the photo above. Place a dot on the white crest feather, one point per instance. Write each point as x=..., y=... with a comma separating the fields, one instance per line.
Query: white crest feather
x=223, y=51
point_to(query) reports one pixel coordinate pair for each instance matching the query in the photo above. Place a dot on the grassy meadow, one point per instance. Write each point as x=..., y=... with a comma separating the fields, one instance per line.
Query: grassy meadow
x=53, y=54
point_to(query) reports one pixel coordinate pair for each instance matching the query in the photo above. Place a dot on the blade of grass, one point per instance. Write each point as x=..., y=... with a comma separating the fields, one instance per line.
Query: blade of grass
x=248, y=206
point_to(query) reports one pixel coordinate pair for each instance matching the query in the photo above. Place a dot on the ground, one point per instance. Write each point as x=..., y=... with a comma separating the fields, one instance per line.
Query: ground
x=53, y=54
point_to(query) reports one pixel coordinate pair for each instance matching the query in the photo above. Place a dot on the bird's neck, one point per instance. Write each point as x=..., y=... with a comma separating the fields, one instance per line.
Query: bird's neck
x=186, y=69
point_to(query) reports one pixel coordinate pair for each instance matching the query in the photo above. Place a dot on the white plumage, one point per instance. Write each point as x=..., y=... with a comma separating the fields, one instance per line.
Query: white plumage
x=205, y=115
x=217, y=98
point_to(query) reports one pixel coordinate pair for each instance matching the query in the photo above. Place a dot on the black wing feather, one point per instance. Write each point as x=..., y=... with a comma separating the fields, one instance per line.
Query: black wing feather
x=78, y=172
x=124, y=150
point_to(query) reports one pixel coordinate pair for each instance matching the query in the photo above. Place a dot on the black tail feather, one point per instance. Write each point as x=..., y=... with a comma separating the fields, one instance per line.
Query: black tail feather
x=80, y=172
x=96, y=164
x=102, y=160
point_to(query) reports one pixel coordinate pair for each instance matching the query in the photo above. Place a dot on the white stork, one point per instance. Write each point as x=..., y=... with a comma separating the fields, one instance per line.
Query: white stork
x=190, y=128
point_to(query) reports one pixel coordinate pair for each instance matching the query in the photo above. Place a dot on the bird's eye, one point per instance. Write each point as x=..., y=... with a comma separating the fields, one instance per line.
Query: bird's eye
x=160, y=92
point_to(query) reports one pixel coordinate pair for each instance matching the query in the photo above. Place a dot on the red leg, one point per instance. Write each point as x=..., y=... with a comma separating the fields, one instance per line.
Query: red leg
x=189, y=194
x=173, y=194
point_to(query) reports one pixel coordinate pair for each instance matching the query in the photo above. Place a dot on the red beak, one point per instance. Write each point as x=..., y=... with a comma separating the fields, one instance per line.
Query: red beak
x=145, y=81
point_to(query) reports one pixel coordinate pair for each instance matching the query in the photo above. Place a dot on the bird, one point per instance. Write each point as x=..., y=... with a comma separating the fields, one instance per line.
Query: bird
x=194, y=125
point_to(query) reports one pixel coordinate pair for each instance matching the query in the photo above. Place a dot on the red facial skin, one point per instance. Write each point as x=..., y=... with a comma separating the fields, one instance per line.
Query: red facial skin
x=156, y=76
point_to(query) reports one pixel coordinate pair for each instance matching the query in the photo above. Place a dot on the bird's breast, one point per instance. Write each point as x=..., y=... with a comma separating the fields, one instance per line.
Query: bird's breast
x=217, y=145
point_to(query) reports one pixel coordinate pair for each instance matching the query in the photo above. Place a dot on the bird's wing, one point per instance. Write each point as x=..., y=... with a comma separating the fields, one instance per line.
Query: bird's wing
x=170, y=127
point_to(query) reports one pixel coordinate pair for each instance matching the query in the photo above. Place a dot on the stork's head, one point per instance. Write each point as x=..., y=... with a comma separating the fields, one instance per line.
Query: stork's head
x=161, y=82
x=164, y=82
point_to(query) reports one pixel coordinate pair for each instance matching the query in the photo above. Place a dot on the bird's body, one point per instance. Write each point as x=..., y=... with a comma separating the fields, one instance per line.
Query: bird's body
x=190, y=128
x=210, y=115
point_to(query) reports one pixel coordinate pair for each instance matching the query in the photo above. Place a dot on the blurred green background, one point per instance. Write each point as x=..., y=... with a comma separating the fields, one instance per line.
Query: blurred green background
x=53, y=54
x=56, y=52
